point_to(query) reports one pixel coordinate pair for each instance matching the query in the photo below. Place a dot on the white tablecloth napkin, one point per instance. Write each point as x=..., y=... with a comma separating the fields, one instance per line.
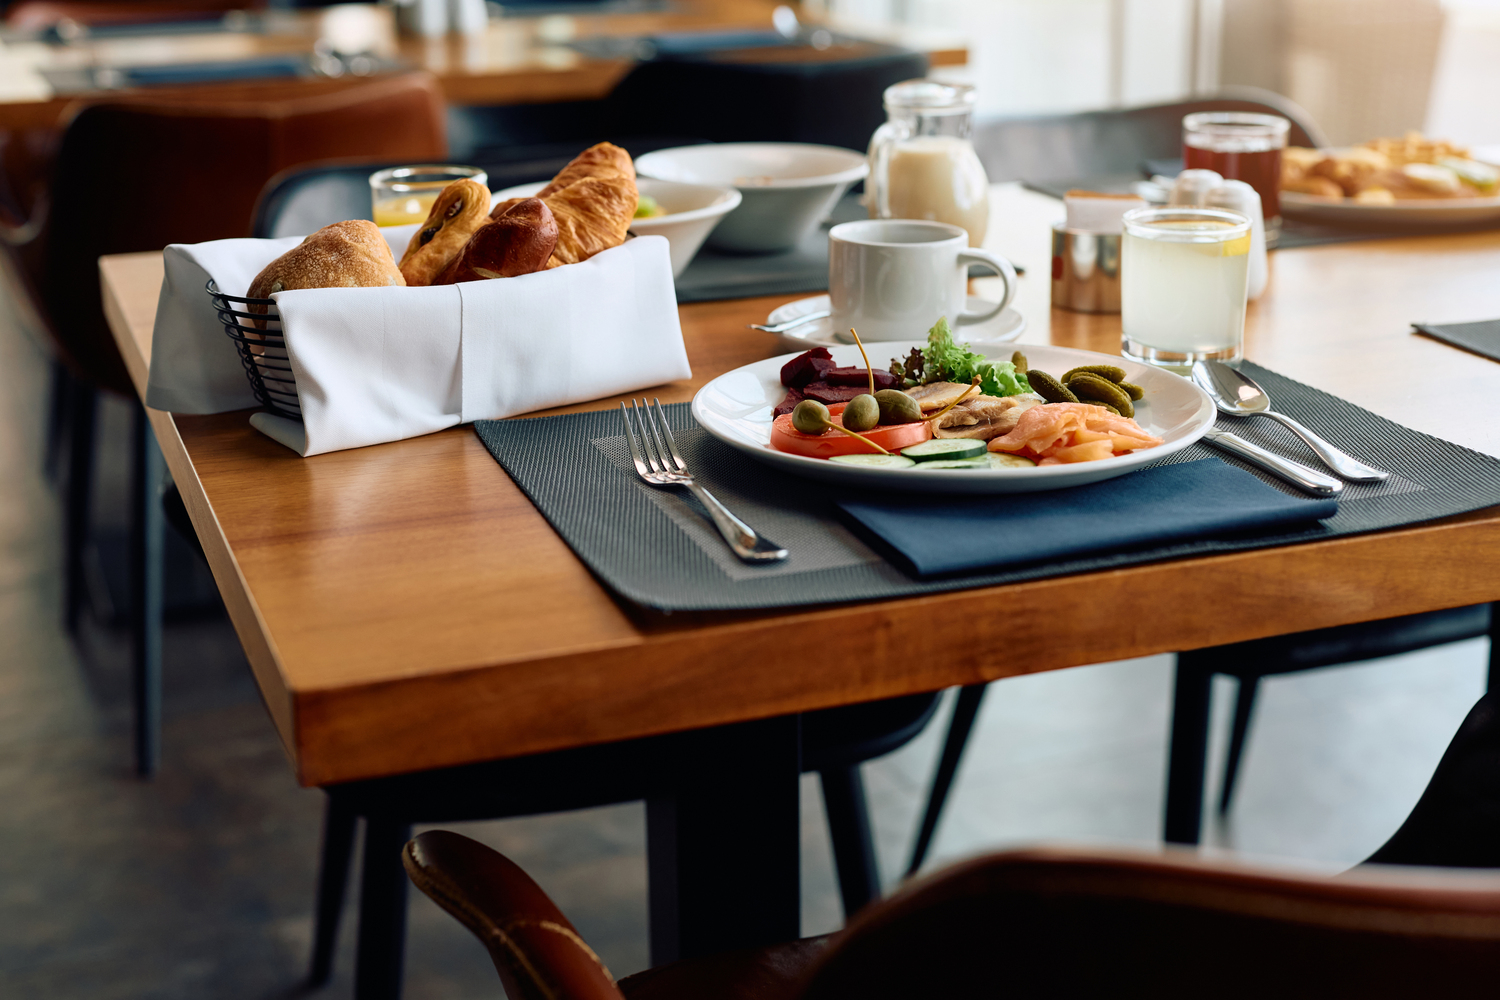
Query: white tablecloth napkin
x=381, y=364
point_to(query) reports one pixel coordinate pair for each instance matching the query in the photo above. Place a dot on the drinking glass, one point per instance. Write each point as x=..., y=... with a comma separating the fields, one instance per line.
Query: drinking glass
x=1183, y=278
x=1242, y=147
x=402, y=195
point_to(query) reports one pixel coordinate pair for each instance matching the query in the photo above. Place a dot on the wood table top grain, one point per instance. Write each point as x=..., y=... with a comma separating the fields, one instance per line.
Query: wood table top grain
x=405, y=607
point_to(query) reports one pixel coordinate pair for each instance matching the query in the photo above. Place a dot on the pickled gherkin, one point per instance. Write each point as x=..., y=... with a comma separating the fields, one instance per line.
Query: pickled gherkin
x=1108, y=372
x=1049, y=388
x=1102, y=405
x=1132, y=390
x=1019, y=360
x=1088, y=386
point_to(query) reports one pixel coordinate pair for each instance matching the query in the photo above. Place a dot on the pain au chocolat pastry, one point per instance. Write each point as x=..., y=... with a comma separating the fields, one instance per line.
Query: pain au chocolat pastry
x=593, y=200
x=344, y=255
x=518, y=242
x=459, y=211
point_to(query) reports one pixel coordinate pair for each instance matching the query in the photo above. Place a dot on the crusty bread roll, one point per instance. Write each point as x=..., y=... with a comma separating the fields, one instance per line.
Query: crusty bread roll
x=459, y=211
x=344, y=255
x=593, y=199
x=519, y=242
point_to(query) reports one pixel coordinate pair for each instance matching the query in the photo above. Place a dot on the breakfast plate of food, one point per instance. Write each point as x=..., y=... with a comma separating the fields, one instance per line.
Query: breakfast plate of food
x=1412, y=180
x=950, y=417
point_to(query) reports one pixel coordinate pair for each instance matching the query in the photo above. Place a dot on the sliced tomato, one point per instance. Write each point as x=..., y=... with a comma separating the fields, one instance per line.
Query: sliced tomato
x=892, y=437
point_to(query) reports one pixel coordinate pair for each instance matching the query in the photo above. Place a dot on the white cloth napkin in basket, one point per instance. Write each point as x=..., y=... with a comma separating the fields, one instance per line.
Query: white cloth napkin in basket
x=380, y=364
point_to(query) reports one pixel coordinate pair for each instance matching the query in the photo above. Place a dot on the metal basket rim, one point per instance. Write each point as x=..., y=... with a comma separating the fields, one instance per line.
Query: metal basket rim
x=213, y=290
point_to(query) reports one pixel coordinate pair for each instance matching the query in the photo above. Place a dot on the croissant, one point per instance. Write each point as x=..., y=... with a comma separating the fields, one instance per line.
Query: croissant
x=519, y=242
x=593, y=200
x=459, y=211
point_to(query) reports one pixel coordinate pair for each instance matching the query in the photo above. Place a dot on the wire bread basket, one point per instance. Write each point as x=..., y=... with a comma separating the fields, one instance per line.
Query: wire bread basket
x=262, y=350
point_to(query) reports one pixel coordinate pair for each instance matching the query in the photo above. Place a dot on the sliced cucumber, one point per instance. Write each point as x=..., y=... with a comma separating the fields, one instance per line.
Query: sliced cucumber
x=1001, y=460
x=957, y=463
x=944, y=449
x=877, y=461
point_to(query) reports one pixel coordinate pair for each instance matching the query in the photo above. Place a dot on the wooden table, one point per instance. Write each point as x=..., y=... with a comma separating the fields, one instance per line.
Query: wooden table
x=405, y=607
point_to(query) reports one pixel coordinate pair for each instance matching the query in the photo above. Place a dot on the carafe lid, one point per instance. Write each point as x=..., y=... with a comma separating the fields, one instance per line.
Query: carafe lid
x=930, y=97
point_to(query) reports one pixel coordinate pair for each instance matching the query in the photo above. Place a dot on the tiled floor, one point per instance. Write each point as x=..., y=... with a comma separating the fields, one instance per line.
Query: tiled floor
x=199, y=884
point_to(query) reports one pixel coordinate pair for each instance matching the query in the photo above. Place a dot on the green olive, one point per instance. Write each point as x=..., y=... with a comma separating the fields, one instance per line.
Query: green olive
x=810, y=417
x=896, y=407
x=861, y=413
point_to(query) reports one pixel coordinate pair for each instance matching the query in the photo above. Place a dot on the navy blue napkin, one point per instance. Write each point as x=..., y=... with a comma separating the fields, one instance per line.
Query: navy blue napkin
x=941, y=536
x=1481, y=338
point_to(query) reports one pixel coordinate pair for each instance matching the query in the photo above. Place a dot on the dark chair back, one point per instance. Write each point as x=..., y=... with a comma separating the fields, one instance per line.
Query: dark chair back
x=1119, y=143
x=1090, y=923
x=136, y=175
x=774, y=94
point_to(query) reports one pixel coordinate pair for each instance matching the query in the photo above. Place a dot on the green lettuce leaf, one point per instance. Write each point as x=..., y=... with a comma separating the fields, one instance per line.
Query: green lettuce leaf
x=946, y=360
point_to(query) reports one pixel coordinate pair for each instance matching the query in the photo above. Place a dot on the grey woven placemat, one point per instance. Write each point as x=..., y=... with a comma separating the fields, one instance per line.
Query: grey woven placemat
x=656, y=548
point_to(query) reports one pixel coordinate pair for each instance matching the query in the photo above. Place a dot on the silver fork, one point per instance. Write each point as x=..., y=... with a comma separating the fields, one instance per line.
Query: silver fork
x=650, y=450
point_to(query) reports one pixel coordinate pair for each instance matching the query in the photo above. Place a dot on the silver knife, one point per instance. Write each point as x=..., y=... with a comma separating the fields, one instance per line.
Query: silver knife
x=1295, y=473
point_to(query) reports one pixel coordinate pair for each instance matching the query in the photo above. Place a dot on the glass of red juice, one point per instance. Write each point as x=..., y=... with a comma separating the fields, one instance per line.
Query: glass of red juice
x=1242, y=147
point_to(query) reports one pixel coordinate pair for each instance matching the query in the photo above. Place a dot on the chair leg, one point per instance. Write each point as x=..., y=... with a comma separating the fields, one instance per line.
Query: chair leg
x=965, y=710
x=333, y=878
x=80, y=492
x=147, y=551
x=1492, y=683
x=382, y=911
x=853, y=843
x=1244, y=706
x=1186, y=759
x=58, y=405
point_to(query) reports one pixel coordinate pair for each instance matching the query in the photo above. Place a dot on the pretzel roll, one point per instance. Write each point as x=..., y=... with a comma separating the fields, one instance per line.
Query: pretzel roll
x=518, y=242
x=459, y=211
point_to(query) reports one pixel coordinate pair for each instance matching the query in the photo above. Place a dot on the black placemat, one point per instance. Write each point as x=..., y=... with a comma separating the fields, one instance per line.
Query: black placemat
x=1482, y=338
x=655, y=546
x=717, y=274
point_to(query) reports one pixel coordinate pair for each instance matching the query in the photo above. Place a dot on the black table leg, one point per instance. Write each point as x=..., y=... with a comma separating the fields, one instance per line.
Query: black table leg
x=146, y=553
x=1188, y=752
x=83, y=404
x=339, y=822
x=722, y=847
x=382, y=911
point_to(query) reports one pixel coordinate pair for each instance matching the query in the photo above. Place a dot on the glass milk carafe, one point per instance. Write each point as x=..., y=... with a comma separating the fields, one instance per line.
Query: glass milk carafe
x=922, y=165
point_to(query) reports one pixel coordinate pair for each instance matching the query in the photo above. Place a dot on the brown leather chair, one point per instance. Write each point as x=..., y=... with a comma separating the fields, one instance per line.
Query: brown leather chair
x=34, y=15
x=1046, y=922
x=140, y=172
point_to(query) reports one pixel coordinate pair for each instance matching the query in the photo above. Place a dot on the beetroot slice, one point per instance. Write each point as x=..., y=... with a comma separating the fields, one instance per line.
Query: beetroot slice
x=859, y=376
x=787, y=405
x=829, y=394
x=805, y=368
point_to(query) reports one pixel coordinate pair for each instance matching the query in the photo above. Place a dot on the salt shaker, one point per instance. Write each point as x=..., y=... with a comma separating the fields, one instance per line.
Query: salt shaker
x=1237, y=196
x=1191, y=188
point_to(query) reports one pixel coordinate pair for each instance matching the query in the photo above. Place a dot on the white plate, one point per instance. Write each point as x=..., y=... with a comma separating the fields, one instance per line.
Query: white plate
x=736, y=408
x=1423, y=214
x=1004, y=328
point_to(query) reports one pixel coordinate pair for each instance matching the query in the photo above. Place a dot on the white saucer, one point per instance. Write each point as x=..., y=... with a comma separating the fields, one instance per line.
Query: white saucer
x=1002, y=329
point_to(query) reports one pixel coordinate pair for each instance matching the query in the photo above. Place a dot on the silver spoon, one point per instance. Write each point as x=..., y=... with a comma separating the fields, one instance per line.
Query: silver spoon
x=1237, y=394
x=793, y=323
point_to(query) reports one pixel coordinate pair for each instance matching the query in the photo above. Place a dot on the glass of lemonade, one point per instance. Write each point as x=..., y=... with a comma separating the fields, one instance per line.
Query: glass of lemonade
x=402, y=195
x=1183, y=274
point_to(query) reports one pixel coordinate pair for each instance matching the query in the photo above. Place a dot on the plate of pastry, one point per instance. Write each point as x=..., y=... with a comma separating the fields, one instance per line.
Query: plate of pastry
x=1408, y=181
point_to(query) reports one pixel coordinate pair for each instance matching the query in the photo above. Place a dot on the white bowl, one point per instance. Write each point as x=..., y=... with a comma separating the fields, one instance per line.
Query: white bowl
x=788, y=187
x=693, y=210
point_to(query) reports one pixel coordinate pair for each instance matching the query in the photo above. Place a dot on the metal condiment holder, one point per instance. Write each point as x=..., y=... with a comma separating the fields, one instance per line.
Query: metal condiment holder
x=262, y=348
x=1085, y=270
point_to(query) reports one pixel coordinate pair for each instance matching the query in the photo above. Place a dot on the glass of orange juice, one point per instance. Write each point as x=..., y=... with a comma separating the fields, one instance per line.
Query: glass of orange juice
x=403, y=195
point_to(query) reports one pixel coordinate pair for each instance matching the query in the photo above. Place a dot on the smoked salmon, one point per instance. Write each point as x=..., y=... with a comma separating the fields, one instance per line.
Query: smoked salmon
x=1059, y=433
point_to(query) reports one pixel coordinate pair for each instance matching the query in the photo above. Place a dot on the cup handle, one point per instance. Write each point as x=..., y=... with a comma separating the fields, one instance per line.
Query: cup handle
x=1002, y=268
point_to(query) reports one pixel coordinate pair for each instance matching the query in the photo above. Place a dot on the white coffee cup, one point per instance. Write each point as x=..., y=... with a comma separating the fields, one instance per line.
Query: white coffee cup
x=891, y=279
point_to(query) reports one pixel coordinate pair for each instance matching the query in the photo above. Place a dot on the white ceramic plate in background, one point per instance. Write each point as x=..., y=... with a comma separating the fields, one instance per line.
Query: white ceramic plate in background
x=1424, y=214
x=788, y=187
x=736, y=408
x=693, y=210
x=1000, y=329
